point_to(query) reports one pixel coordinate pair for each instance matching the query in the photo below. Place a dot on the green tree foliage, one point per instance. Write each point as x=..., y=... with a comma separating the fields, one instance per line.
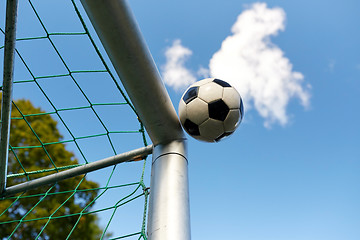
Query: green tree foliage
x=56, y=214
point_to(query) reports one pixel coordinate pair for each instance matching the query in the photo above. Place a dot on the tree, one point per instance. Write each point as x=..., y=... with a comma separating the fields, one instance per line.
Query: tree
x=37, y=131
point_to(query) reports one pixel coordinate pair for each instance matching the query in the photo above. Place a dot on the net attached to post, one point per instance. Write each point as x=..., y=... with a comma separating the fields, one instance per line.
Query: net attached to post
x=69, y=109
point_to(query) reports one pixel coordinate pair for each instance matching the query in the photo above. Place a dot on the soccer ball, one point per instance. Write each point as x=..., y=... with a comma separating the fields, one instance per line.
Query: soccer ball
x=210, y=110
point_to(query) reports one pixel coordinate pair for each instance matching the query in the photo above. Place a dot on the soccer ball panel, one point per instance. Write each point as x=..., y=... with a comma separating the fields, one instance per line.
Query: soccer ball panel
x=210, y=92
x=232, y=120
x=202, y=82
x=191, y=128
x=190, y=94
x=218, y=110
x=242, y=109
x=232, y=98
x=197, y=111
x=221, y=83
x=224, y=135
x=211, y=129
x=182, y=111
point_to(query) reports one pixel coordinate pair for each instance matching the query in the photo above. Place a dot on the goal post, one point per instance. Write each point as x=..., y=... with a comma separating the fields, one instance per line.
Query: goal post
x=9, y=53
x=127, y=50
x=169, y=216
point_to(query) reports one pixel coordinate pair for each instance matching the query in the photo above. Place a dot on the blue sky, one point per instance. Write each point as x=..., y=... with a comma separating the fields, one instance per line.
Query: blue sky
x=297, y=180
x=291, y=170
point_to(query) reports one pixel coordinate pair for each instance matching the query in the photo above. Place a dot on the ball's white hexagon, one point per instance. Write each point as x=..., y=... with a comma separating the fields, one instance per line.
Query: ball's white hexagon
x=210, y=92
x=231, y=97
x=211, y=129
x=231, y=122
x=197, y=111
x=202, y=82
x=182, y=111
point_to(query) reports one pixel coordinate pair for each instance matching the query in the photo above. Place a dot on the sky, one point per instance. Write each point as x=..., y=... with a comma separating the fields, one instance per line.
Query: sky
x=291, y=170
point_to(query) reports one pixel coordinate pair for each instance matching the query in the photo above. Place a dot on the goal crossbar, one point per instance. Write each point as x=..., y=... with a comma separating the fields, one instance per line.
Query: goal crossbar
x=121, y=37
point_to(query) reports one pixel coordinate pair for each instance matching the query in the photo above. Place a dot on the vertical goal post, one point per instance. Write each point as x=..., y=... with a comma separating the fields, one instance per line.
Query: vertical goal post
x=9, y=54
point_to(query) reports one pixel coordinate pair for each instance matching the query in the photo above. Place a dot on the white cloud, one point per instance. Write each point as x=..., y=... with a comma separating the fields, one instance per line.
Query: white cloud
x=174, y=72
x=250, y=62
x=258, y=68
x=203, y=72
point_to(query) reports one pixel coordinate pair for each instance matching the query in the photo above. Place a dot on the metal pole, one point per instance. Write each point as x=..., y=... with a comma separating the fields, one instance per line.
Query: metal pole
x=133, y=155
x=9, y=53
x=169, y=213
x=128, y=52
x=115, y=25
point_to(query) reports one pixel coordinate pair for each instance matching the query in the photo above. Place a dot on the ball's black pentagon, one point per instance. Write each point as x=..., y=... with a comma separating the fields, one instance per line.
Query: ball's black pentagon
x=191, y=128
x=218, y=110
x=222, y=136
x=241, y=108
x=190, y=94
x=221, y=83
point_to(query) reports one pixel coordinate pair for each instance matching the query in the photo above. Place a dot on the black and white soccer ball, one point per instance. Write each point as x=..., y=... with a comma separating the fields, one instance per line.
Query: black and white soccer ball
x=210, y=110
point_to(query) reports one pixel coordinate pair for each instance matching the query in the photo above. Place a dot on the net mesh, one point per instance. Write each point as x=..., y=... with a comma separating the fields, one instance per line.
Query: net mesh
x=69, y=109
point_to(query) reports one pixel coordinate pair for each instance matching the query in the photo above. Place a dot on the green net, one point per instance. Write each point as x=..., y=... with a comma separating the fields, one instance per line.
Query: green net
x=69, y=109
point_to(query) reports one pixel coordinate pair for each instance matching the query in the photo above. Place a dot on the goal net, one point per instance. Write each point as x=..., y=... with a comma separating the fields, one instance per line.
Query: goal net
x=69, y=110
